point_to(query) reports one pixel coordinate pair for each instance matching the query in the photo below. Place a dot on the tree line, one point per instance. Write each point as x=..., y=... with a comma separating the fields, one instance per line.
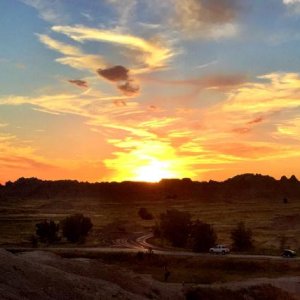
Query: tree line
x=178, y=228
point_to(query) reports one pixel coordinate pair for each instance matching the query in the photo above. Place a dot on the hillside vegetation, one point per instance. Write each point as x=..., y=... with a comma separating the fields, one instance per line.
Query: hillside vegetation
x=239, y=187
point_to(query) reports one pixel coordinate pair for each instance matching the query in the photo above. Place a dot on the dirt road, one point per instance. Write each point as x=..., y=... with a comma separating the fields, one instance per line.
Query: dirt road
x=140, y=243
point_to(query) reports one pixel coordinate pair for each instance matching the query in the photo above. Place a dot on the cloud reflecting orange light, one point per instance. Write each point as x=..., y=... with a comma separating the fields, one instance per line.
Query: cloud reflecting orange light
x=150, y=145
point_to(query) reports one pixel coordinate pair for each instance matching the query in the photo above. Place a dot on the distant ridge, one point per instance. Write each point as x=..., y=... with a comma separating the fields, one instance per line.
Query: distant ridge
x=244, y=186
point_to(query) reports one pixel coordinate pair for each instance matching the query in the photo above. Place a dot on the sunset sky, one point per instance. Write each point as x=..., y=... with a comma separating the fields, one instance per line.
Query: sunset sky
x=112, y=90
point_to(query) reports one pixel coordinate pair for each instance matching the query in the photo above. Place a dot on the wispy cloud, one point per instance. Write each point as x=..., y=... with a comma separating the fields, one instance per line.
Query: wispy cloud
x=293, y=5
x=201, y=19
x=217, y=81
x=152, y=54
x=50, y=11
x=74, y=56
x=16, y=154
x=291, y=1
x=125, y=9
x=192, y=141
x=289, y=129
x=20, y=159
x=278, y=91
x=78, y=82
x=202, y=66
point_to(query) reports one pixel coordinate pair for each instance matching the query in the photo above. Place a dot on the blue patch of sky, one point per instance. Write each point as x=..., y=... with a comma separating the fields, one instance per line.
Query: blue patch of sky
x=20, y=46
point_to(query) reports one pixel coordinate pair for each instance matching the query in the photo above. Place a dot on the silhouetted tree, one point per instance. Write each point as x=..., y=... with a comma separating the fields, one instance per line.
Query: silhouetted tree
x=47, y=231
x=145, y=214
x=76, y=227
x=242, y=237
x=175, y=226
x=203, y=236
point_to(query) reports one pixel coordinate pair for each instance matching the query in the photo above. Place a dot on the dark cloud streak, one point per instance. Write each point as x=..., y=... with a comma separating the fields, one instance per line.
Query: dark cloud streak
x=120, y=75
x=79, y=83
x=114, y=74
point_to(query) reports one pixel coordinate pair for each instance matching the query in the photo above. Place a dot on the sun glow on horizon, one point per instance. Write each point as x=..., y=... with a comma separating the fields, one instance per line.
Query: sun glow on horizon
x=154, y=172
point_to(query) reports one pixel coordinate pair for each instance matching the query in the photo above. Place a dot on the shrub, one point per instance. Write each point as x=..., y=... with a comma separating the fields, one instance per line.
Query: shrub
x=145, y=214
x=175, y=226
x=47, y=231
x=76, y=227
x=203, y=236
x=242, y=237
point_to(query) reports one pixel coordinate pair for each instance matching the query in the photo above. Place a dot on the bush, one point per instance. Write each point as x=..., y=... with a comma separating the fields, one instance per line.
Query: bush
x=47, y=231
x=145, y=214
x=76, y=227
x=203, y=236
x=175, y=226
x=242, y=238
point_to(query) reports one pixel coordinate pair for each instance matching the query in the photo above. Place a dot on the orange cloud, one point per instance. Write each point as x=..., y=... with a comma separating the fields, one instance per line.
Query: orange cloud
x=279, y=91
x=185, y=142
x=17, y=154
x=289, y=129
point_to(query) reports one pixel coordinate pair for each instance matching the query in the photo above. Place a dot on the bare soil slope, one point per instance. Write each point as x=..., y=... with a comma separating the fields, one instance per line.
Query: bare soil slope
x=40, y=275
x=43, y=275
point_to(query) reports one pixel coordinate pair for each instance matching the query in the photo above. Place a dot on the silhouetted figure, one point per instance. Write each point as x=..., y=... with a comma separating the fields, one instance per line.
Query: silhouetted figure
x=285, y=200
x=167, y=274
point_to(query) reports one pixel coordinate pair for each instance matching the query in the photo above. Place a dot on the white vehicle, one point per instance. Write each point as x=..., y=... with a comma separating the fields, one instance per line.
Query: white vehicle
x=219, y=249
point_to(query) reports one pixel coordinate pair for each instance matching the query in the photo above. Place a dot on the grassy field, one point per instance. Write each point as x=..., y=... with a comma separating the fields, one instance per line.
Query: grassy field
x=270, y=221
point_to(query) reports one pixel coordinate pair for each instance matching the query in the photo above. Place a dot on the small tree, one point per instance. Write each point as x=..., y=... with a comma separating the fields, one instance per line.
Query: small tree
x=203, y=236
x=175, y=226
x=47, y=231
x=242, y=237
x=145, y=214
x=76, y=227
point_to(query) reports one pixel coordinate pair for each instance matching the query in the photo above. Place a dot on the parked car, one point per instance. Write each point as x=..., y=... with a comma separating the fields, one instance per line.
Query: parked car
x=219, y=249
x=288, y=253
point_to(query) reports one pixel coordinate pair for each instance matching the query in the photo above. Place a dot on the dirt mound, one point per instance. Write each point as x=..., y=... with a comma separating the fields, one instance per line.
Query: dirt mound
x=28, y=278
x=284, y=288
x=41, y=275
x=261, y=292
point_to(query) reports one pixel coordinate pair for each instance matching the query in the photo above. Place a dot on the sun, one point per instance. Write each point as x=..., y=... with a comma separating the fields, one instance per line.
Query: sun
x=154, y=172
